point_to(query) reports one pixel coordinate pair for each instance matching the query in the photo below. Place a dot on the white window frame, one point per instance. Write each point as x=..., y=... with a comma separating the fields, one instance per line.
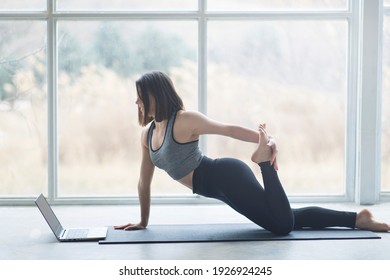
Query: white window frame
x=362, y=134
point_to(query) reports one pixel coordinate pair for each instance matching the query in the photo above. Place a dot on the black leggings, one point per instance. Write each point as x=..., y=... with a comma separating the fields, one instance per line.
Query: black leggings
x=233, y=182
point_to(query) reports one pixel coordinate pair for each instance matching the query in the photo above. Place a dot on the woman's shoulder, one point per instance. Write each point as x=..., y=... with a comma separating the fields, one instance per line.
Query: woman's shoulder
x=186, y=126
x=188, y=115
x=191, y=118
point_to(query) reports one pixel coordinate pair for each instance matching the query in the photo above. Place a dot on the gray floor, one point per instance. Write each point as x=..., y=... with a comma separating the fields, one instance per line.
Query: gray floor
x=25, y=236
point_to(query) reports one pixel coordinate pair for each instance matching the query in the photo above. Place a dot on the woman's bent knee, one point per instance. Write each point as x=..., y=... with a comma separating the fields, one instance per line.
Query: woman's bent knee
x=282, y=228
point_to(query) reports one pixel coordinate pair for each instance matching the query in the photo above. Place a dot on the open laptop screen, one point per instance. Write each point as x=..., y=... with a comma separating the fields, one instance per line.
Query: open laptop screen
x=49, y=215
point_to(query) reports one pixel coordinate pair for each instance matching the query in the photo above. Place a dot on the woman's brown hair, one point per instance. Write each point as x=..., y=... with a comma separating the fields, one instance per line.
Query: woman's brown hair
x=160, y=86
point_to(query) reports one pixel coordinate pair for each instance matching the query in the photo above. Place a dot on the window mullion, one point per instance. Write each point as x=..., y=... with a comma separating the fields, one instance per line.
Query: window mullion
x=368, y=145
x=52, y=101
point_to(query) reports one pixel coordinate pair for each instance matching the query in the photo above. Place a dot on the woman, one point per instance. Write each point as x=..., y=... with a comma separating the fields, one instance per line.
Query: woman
x=170, y=141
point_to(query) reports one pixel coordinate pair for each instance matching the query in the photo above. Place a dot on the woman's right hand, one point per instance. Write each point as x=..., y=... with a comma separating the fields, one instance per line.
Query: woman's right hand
x=130, y=226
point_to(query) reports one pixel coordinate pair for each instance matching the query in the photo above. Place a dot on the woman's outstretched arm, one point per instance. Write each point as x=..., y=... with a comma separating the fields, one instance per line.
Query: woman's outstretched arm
x=144, y=183
x=201, y=125
x=198, y=124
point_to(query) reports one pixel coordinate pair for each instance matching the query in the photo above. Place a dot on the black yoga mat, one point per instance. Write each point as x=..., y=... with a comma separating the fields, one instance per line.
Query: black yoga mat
x=223, y=233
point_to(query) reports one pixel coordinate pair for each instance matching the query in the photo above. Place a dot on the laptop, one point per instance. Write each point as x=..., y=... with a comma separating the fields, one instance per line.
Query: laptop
x=69, y=234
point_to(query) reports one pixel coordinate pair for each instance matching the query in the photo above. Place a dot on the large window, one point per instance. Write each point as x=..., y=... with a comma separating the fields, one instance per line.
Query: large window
x=68, y=122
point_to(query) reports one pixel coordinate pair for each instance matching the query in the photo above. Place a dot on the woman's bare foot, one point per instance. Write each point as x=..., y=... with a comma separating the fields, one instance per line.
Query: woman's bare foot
x=263, y=152
x=365, y=220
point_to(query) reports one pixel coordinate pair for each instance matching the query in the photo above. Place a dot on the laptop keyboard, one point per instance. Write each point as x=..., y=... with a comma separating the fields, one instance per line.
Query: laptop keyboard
x=76, y=233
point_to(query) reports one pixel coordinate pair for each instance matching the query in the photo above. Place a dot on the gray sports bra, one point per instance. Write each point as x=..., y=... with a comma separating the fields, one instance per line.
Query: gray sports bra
x=177, y=159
